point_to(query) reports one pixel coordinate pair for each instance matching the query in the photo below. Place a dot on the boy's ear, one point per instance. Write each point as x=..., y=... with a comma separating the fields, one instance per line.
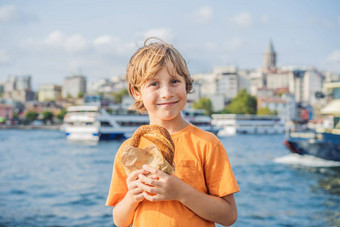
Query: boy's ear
x=135, y=93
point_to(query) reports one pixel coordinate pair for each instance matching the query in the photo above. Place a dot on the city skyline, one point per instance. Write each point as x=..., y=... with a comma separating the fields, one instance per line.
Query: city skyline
x=51, y=40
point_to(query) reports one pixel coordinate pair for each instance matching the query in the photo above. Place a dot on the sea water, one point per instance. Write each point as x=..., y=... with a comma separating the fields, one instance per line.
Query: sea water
x=48, y=181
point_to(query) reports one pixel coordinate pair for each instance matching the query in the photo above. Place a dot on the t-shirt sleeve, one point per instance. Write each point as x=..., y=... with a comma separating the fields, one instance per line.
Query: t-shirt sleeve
x=219, y=175
x=118, y=186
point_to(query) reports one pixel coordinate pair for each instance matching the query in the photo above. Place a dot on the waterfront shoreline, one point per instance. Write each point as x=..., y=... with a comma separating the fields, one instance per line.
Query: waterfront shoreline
x=29, y=127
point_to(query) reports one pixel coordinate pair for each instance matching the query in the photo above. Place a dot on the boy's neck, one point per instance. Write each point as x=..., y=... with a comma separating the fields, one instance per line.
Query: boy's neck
x=173, y=126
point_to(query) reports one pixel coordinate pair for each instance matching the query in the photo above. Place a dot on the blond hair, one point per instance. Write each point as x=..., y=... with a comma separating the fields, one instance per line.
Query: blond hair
x=148, y=61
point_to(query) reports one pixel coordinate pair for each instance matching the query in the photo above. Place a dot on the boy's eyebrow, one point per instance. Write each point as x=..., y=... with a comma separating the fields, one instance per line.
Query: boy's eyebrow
x=154, y=77
x=175, y=75
x=150, y=80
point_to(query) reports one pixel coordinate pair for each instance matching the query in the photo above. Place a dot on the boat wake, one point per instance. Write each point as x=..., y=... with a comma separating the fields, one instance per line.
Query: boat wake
x=306, y=160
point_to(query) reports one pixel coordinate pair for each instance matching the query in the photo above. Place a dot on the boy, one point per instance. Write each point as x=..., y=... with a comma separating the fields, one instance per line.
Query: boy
x=200, y=192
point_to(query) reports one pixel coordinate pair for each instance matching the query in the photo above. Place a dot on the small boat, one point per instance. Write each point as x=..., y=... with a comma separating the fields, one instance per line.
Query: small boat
x=320, y=142
x=92, y=123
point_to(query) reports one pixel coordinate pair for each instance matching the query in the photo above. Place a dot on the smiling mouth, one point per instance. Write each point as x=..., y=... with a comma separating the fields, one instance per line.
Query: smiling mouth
x=167, y=103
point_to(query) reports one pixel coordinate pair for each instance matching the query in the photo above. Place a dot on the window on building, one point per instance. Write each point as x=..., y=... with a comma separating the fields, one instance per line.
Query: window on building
x=336, y=93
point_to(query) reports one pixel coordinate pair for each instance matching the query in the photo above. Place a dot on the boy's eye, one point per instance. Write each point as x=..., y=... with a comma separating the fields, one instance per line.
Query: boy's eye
x=174, y=81
x=153, y=84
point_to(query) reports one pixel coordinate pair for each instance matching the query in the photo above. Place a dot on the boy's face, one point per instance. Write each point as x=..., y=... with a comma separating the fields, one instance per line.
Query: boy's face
x=164, y=96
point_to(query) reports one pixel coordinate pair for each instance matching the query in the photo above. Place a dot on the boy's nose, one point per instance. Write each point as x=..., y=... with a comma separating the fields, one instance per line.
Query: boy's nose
x=166, y=91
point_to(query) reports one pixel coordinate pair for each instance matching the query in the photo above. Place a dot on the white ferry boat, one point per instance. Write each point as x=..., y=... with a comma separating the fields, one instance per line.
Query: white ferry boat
x=80, y=123
x=231, y=124
x=91, y=123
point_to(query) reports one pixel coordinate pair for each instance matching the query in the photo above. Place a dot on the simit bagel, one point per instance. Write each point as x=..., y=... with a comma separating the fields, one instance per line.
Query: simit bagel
x=160, y=155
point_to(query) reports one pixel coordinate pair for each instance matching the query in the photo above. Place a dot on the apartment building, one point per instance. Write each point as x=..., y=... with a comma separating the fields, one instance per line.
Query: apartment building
x=18, y=88
x=73, y=86
x=49, y=92
x=6, y=111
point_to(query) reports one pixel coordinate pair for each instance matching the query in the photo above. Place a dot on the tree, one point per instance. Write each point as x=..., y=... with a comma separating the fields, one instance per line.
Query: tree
x=118, y=96
x=47, y=116
x=15, y=115
x=31, y=116
x=61, y=115
x=3, y=120
x=80, y=95
x=205, y=104
x=243, y=103
x=264, y=111
x=224, y=111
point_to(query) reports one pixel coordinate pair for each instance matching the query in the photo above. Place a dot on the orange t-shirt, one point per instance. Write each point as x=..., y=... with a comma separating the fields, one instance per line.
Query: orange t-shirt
x=200, y=160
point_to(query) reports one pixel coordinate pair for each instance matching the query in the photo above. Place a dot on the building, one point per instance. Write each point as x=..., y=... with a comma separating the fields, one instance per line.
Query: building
x=332, y=109
x=285, y=106
x=268, y=76
x=244, y=81
x=205, y=84
x=74, y=86
x=220, y=86
x=258, y=80
x=40, y=107
x=18, y=83
x=332, y=90
x=6, y=112
x=2, y=88
x=18, y=88
x=106, y=86
x=331, y=77
x=49, y=92
x=10, y=84
x=23, y=83
x=20, y=95
x=269, y=58
x=278, y=79
x=119, y=82
x=305, y=84
x=226, y=81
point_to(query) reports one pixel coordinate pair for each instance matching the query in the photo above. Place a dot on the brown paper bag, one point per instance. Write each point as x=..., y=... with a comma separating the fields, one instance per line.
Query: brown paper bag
x=133, y=158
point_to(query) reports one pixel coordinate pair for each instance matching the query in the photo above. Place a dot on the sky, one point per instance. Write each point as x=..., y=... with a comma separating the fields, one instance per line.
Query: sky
x=51, y=40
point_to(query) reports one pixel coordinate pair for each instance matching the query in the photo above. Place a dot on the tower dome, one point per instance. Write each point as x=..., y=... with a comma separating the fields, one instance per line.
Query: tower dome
x=269, y=57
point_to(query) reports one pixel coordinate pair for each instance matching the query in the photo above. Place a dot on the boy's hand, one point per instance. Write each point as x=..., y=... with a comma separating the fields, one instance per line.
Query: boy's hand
x=134, y=191
x=159, y=186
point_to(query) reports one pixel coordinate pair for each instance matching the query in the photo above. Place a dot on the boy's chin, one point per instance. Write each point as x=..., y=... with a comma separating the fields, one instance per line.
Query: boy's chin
x=167, y=117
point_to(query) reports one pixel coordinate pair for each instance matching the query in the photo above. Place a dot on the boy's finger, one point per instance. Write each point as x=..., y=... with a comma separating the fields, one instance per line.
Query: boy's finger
x=139, y=197
x=134, y=174
x=153, y=181
x=137, y=191
x=154, y=177
x=153, y=170
x=147, y=188
x=149, y=197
